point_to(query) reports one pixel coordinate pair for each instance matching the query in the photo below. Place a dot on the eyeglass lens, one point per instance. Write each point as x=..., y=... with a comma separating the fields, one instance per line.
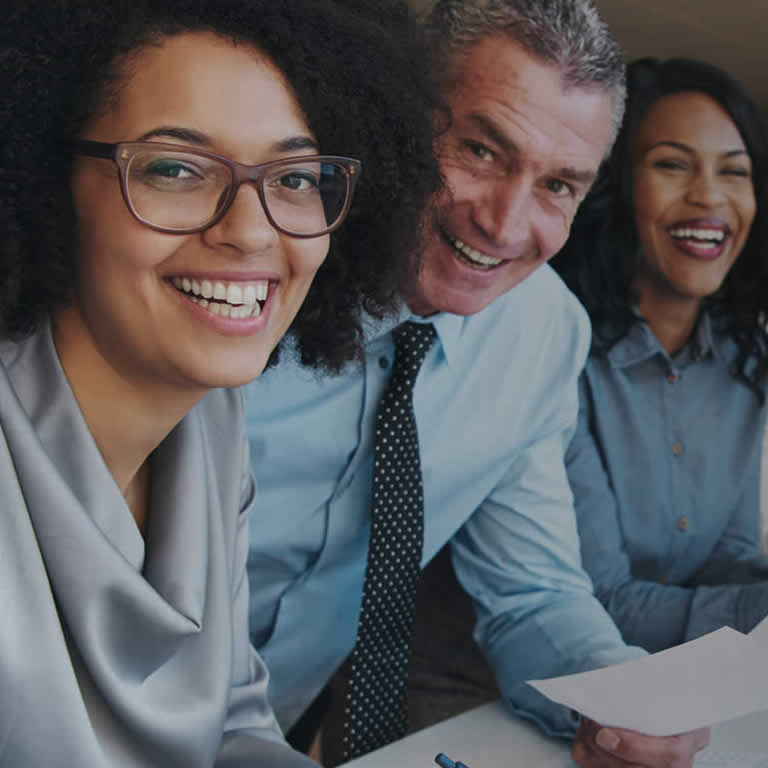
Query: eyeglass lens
x=179, y=190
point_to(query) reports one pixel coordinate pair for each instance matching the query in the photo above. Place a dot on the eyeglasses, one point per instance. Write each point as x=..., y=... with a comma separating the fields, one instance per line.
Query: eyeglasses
x=178, y=190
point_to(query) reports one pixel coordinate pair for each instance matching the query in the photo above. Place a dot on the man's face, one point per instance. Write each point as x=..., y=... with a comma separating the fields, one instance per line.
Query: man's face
x=518, y=158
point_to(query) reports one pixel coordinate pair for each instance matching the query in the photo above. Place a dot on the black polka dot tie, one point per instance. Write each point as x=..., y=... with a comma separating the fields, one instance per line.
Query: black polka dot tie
x=375, y=708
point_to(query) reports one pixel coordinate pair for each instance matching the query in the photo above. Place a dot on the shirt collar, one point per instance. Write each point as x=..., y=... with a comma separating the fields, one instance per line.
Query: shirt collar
x=447, y=326
x=640, y=344
x=705, y=340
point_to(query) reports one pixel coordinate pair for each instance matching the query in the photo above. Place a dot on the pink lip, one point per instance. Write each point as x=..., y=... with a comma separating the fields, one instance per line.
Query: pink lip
x=702, y=253
x=699, y=250
x=505, y=260
x=226, y=325
x=474, y=284
x=704, y=223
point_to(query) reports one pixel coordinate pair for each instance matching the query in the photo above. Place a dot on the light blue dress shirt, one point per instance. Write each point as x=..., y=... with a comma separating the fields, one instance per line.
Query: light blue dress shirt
x=665, y=469
x=496, y=405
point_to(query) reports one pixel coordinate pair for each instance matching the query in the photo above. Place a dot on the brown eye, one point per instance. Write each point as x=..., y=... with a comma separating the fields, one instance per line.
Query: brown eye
x=560, y=188
x=669, y=165
x=479, y=150
x=740, y=172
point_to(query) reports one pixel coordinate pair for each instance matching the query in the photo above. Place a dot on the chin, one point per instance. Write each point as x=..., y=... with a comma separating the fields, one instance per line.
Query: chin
x=467, y=308
x=229, y=382
x=229, y=376
x=466, y=304
x=442, y=298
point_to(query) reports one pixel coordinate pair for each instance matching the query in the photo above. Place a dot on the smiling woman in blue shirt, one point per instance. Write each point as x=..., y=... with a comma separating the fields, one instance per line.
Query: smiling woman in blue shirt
x=668, y=257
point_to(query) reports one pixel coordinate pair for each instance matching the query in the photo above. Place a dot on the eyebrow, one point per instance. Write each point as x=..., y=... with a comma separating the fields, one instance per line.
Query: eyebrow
x=500, y=138
x=290, y=144
x=494, y=132
x=579, y=177
x=690, y=151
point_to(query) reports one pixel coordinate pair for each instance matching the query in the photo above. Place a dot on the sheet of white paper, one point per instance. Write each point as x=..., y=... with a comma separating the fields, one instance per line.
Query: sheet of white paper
x=486, y=737
x=731, y=760
x=489, y=737
x=717, y=677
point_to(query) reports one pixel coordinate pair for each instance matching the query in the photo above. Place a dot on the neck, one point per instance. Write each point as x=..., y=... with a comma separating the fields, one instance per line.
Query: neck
x=127, y=416
x=672, y=319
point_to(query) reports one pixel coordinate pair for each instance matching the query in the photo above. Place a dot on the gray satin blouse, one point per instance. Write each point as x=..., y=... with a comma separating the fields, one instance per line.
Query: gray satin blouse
x=117, y=650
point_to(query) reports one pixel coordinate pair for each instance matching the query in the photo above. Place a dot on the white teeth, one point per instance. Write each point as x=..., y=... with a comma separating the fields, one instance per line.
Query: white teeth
x=234, y=294
x=475, y=256
x=240, y=312
x=685, y=233
x=230, y=299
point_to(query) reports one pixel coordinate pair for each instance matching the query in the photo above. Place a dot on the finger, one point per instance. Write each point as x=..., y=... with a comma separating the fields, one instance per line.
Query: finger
x=672, y=751
x=585, y=756
x=701, y=738
x=578, y=753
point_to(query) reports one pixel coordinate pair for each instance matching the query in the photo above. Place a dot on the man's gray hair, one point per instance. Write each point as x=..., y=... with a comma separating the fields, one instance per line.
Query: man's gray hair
x=568, y=34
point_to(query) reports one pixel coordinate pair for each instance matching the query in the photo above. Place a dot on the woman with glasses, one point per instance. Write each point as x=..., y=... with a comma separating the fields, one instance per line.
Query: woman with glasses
x=668, y=255
x=173, y=176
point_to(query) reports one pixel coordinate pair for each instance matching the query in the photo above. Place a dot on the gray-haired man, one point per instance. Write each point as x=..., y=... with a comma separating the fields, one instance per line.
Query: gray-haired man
x=535, y=89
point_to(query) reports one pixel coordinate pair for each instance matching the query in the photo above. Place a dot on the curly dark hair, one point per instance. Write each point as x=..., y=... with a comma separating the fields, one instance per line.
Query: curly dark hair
x=601, y=258
x=359, y=71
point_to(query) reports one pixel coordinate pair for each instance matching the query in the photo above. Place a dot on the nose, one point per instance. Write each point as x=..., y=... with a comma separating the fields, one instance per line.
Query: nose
x=705, y=189
x=245, y=225
x=504, y=213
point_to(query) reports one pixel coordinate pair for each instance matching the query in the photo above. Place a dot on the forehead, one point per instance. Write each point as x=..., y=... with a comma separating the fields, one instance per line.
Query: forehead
x=691, y=118
x=528, y=101
x=208, y=83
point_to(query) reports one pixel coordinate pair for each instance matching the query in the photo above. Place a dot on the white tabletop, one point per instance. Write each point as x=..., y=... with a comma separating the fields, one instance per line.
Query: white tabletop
x=489, y=737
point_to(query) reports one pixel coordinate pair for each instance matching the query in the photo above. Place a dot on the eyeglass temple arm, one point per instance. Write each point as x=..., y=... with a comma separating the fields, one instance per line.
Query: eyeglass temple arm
x=94, y=148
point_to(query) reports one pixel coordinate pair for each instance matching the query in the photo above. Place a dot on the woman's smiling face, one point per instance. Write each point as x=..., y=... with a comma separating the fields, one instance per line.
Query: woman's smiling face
x=694, y=200
x=136, y=299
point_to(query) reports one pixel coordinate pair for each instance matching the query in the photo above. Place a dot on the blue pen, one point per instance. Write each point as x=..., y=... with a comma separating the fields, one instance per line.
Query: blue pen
x=445, y=762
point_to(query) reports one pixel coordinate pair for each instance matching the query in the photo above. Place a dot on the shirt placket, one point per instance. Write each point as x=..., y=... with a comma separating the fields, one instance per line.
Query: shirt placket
x=675, y=448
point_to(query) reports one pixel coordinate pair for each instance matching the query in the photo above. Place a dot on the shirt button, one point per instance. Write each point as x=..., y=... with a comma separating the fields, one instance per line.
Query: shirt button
x=677, y=448
x=673, y=377
x=682, y=523
x=383, y=362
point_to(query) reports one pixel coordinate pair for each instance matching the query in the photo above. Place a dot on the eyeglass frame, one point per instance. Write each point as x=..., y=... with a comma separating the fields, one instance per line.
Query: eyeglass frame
x=241, y=173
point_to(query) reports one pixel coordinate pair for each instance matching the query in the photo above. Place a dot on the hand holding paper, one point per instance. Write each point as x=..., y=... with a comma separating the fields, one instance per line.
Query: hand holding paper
x=717, y=677
x=598, y=747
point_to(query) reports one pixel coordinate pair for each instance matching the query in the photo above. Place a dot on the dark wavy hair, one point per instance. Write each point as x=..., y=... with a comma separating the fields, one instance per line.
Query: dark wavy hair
x=601, y=258
x=359, y=72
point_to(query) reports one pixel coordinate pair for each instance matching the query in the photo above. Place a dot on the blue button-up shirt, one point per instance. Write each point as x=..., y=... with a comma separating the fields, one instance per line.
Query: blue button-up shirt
x=665, y=469
x=496, y=404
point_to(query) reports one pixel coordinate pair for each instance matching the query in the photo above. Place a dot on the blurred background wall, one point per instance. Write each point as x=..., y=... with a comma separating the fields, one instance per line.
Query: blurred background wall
x=730, y=33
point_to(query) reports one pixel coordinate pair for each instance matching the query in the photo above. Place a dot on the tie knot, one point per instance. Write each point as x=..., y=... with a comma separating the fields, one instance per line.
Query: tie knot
x=412, y=342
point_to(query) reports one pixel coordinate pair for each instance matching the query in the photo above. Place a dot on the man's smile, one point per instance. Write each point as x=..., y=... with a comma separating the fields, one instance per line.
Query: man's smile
x=470, y=255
